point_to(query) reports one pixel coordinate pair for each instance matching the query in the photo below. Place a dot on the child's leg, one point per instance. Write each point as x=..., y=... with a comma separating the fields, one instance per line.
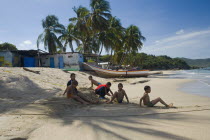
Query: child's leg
x=108, y=94
x=159, y=100
x=86, y=100
x=79, y=99
x=114, y=96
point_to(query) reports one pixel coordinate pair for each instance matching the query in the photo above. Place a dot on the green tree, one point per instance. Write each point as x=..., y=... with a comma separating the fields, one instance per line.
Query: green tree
x=68, y=36
x=51, y=27
x=132, y=41
x=100, y=14
x=7, y=47
x=98, y=20
x=82, y=30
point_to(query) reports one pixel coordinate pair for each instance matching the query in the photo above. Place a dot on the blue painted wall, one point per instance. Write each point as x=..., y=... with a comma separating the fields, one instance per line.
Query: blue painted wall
x=29, y=62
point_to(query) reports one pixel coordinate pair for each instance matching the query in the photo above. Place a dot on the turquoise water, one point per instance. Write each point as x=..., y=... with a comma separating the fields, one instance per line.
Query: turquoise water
x=202, y=84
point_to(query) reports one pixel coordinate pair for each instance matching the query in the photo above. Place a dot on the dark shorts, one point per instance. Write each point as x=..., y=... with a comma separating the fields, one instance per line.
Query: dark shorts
x=120, y=101
x=150, y=104
x=100, y=91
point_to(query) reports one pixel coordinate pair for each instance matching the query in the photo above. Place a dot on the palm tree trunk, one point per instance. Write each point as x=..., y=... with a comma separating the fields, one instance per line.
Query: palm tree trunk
x=71, y=46
x=110, y=60
x=97, y=60
x=101, y=49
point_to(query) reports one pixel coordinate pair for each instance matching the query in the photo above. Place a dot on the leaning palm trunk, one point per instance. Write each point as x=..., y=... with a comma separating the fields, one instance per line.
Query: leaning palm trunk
x=101, y=50
x=123, y=58
x=71, y=46
x=97, y=60
x=110, y=63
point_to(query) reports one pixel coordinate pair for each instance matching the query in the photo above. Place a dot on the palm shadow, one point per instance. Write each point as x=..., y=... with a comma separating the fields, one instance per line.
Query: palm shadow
x=119, y=116
x=17, y=92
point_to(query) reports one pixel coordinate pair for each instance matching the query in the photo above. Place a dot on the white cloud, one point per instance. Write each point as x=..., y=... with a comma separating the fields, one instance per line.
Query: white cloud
x=26, y=45
x=193, y=42
x=27, y=42
x=1, y=42
x=180, y=32
x=185, y=36
x=157, y=41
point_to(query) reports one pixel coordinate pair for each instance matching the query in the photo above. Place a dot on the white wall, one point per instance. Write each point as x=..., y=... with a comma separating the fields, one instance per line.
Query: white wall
x=71, y=60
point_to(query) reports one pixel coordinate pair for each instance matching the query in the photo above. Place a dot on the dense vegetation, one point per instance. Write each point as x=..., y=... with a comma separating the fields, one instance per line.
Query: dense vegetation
x=197, y=62
x=93, y=30
x=7, y=47
x=144, y=61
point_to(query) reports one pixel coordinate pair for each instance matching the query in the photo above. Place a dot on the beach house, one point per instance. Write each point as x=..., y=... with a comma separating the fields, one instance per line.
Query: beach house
x=33, y=58
x=20, y=58
x=67, y=61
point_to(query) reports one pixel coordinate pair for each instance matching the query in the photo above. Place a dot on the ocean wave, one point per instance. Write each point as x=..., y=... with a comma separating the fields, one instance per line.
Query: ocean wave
x=205, y=82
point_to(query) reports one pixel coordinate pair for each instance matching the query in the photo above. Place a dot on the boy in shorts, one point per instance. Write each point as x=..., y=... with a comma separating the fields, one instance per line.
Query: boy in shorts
x=72, y=78
x=146, y=99
x=103, y=90
x=119, y=95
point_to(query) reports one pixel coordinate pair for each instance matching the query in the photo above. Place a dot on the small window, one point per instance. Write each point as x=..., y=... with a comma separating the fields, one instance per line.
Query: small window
x=69, y=56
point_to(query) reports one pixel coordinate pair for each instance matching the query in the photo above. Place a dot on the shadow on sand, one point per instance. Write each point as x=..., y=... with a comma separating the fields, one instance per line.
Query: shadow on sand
x=117, y=119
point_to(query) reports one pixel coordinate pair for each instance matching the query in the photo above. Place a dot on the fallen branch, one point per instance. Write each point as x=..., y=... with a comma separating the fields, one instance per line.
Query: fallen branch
x=37, y=72
x=119, y=80
x=143, y=81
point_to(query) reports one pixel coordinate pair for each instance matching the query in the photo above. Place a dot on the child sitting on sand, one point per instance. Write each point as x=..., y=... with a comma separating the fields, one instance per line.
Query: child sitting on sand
x=93, y=82
x=72, y=93
x=119, y=95
x=72, y=76
x=103, y=90
x=147, y=101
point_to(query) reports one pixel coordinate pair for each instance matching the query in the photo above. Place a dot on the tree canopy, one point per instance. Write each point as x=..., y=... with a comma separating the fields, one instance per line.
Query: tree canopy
x=93, y=30
x=7, y=47
x=152, y=62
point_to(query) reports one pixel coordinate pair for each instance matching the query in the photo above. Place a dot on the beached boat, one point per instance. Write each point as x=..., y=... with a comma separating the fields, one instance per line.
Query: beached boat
x=113, y=73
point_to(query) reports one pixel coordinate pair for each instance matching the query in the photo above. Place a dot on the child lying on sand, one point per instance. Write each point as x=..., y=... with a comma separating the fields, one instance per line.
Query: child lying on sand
x=119, y=95
x=73, y=93
x=93, y=82
x=149, y=103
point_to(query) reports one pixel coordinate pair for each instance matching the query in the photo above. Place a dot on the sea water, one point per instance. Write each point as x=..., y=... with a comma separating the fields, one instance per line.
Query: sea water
x=201, y=85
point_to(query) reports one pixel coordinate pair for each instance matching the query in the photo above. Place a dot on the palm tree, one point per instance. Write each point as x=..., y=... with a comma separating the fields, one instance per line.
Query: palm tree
x=132, y=41
x=68, y=36
x=100, y=13
x=48, y=37
x=111, y=38
x=82, y=30
x=90, y=24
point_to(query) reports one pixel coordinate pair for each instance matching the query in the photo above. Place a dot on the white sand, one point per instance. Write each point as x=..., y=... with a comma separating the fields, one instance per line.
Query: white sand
x=33, y=108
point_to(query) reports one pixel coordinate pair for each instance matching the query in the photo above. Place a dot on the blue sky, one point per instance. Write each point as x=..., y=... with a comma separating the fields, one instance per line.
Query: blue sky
x=177, y=28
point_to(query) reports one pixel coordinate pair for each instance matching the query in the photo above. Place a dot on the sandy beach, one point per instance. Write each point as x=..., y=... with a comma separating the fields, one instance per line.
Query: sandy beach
x=33, y=107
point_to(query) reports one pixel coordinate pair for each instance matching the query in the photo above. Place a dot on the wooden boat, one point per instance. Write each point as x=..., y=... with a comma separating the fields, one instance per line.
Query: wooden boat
x=113, y=73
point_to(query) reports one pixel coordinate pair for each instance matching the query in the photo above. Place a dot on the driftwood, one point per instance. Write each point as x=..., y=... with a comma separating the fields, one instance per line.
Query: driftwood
x=119, y=80
x=66, y=71
x=37, y=72
x=143, y=81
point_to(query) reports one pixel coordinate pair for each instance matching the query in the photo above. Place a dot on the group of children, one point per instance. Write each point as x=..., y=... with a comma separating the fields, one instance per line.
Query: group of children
x=104, y=89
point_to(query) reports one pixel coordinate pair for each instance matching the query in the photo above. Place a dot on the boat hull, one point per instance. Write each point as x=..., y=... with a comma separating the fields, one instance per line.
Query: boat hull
x=112, y=73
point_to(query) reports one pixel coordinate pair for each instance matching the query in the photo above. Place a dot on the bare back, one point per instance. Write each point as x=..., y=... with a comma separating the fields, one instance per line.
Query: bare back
x=94, y=82
x=146, y=99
